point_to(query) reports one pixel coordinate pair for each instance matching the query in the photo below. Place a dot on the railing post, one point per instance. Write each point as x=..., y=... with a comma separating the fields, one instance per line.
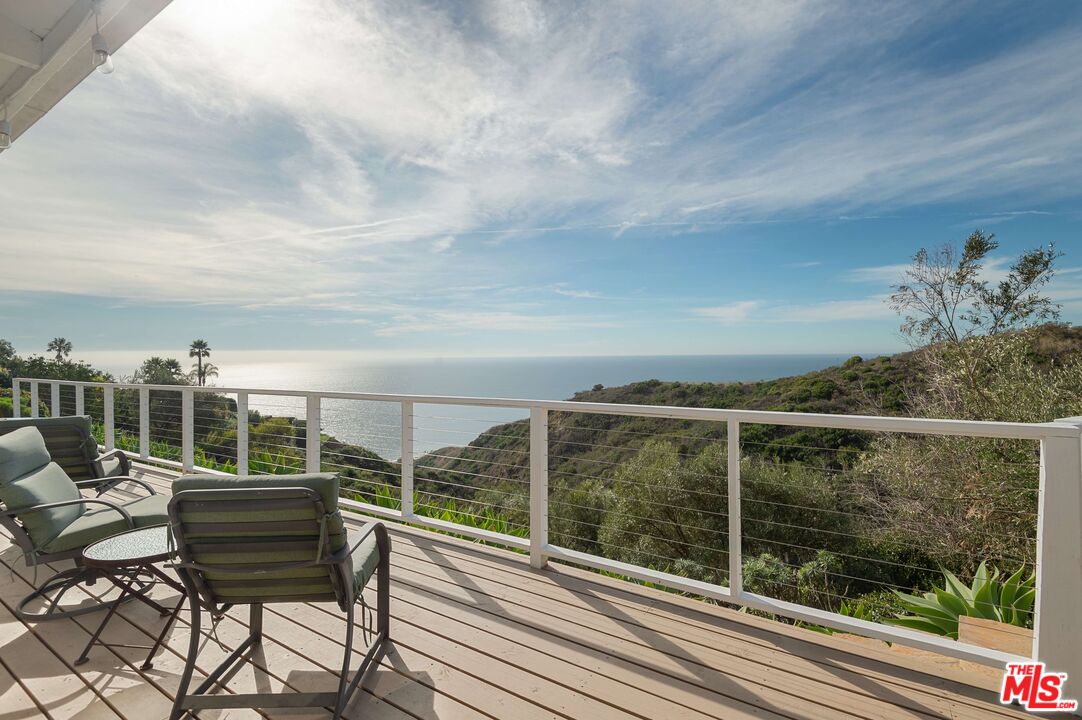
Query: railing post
x=242, y=433
x=1057, y=633
x=54, y=406
x=312, y=434
x=33, y=398
x=187, y=429
x=16, y=398
x=107, y=417
x=539, y=485
x=407, y=458
x=736, y=554
x=80, y=400
x=144, y=422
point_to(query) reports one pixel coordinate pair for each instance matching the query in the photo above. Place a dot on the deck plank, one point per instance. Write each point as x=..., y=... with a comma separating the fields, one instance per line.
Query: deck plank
x=15, y=702
x=639, y=679
x=455, y=670
x=702, y=621
x=45, y=674
x=691, y=652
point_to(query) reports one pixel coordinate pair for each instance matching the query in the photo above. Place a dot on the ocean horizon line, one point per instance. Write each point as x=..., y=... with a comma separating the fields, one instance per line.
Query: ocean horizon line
x=294, y=355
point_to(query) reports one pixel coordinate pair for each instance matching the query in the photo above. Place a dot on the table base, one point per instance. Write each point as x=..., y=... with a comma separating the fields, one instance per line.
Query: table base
x=128, y=591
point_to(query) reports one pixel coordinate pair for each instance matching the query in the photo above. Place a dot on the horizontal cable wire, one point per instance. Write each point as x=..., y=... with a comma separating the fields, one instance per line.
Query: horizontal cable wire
x=679, y=524
x=659, y=538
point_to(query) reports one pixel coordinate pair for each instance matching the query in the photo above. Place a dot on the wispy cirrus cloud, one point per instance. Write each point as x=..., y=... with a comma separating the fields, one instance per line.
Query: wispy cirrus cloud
x=874, y=307
x=878, y=275
x=1001, y=217
x=573, y=293
x=498, y=321
x=994, y=269
x=730, y=313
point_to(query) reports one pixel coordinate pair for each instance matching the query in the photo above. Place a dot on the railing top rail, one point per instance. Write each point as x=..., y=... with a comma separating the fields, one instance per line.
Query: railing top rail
x=870, y=423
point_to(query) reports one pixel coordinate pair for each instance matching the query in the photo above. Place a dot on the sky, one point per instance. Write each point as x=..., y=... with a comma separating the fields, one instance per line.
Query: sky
x=539, y=178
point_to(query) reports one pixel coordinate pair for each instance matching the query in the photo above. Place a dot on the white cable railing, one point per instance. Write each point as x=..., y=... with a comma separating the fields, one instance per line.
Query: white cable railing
x=511, y=465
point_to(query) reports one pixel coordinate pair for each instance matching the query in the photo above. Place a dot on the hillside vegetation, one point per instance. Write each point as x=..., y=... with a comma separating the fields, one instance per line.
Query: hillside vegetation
x=880, y=386
x=828, y=515
x=877, y=385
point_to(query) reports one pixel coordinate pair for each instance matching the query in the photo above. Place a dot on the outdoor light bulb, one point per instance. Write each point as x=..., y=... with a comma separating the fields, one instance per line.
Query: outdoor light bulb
x=5, y=134
x=103, y=61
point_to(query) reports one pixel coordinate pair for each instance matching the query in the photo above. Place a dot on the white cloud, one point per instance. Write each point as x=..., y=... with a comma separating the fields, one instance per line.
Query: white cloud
x=583, y=294
x=878, y=275
x=874, y=307
x=1000, y=217
x=731, y=313
x=443, y=244
x=994, y=270
x=472, y=322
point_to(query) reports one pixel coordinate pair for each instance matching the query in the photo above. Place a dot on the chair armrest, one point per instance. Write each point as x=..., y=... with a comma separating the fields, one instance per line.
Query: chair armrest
x=111, y=482
x=372, y=527
x=347, y=550
x=80, y=501
x=383, y=542
x=125, y=462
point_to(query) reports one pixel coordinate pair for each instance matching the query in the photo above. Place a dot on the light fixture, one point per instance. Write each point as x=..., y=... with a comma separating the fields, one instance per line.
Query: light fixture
x=5, y=131
x=103, y=59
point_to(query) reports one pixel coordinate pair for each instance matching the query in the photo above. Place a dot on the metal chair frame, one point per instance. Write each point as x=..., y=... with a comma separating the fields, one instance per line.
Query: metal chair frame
x=201, y=596
x=60, y=583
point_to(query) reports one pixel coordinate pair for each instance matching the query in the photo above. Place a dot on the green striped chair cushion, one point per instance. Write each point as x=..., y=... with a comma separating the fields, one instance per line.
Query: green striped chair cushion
x=71, y=444
x=248, y=539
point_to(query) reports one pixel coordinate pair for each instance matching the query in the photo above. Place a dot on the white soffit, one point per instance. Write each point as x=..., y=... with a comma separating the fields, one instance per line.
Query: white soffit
x=45, y=49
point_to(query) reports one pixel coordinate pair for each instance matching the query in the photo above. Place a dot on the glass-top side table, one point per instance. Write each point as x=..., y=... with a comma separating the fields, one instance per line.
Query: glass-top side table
x=124, y=559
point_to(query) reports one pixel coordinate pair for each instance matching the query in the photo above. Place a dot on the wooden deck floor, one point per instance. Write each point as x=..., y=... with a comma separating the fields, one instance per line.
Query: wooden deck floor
x=478, y=634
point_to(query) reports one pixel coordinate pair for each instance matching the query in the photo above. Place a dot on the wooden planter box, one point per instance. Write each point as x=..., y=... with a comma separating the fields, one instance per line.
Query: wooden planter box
x=995, y=635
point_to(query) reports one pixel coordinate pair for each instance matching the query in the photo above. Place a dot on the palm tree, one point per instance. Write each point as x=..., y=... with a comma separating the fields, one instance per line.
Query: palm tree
x=199, y=350
x=60, y=346
x=210, y=370
x=200, y=375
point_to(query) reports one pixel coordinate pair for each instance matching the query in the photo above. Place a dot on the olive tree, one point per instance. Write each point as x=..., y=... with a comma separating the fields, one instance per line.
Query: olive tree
x=946, y=295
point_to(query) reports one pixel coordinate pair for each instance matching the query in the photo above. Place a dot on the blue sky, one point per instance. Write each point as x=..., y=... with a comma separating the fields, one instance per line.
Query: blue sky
x=519, y=178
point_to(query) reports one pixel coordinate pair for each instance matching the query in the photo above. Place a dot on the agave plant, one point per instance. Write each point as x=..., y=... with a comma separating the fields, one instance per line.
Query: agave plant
x=989, y=597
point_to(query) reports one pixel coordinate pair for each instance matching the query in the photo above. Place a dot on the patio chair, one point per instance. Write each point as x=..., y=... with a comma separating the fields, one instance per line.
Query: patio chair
x=50, y=520
x=73, y=447
x=273, y=539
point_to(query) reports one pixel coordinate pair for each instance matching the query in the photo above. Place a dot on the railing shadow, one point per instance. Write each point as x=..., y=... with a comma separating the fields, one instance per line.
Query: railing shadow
x=563, y=633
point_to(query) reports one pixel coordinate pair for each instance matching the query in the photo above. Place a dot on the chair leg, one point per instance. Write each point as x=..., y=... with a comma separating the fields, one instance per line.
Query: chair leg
x=255, y=622
x=383, y=626
x=193, y=651
x=343, y=680
x=383, y=585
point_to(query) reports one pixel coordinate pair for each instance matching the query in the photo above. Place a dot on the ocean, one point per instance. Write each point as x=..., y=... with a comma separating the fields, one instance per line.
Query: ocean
x=376, y=425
